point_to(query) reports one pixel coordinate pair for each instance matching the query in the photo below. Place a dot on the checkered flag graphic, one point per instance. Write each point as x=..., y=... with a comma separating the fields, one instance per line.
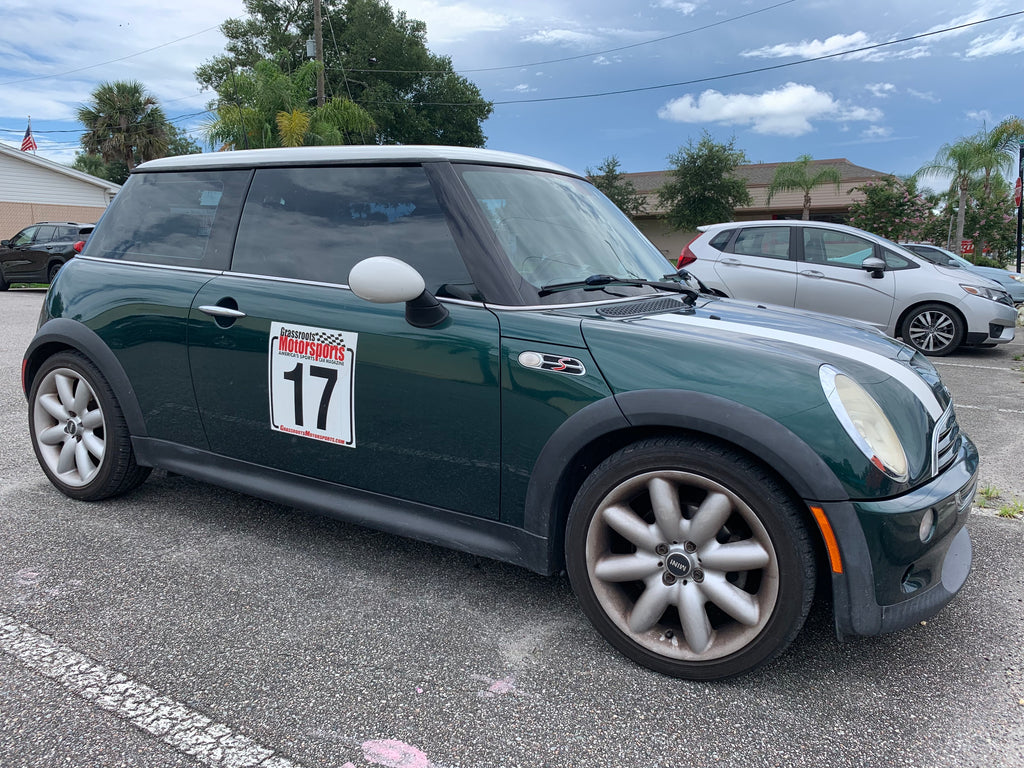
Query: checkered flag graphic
x=331, y=338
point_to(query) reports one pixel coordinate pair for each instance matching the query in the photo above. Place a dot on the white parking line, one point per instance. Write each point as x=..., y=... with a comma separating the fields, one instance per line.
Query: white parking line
x=184, y=729
x=980, y=367
x=958, y=406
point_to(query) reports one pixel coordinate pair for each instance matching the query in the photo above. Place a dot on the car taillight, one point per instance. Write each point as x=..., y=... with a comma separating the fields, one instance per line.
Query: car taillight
x=686, y=256
x=79, y=246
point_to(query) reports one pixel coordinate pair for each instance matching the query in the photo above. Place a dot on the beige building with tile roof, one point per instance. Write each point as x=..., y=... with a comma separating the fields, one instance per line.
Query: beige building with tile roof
x=827, y=204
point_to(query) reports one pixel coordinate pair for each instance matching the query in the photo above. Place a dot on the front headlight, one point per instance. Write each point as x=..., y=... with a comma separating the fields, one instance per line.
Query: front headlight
x=1015, y=276
x=993, y=294
x=865, y=422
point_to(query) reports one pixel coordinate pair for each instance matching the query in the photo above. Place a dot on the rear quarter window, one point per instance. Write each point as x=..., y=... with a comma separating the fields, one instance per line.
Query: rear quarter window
x=175, y=219
x=719, y=241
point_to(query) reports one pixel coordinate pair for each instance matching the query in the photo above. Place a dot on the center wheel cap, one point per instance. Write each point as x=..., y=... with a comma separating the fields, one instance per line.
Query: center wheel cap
x=679, y=565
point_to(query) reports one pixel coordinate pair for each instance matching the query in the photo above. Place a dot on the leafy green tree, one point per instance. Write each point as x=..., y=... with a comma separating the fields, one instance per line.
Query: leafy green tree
x=617, y=187
x=124, y=123
x=799, y=177
x=701, y=187
x=180, y=143
x=892, y=208
x=373, y=56
x=266, y=107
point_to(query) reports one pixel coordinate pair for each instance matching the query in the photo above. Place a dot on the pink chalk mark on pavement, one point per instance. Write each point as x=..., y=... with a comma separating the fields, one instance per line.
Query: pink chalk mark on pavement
x=496, y=687
x=392, y=753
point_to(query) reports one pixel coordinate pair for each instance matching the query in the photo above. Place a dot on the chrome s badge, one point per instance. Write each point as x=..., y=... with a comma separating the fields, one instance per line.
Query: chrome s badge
x=553, y=363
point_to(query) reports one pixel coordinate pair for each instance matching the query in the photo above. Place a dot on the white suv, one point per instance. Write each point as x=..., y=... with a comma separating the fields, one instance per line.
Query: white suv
x=844, y=271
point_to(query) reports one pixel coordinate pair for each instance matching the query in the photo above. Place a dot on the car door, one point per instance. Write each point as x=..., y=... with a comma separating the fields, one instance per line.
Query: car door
x=759, y=265
x=292, y=371
x=831, y=277
x=25, y=252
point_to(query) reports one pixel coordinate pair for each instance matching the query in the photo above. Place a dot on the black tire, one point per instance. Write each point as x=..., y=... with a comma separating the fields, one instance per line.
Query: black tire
x=669, y=534
x=78, y=431
x=934, y=329
x=4, y=285
x=51, y=274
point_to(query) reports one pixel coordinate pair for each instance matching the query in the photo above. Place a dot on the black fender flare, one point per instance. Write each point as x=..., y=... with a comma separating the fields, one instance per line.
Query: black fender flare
x=64, y=333
x=726, y=420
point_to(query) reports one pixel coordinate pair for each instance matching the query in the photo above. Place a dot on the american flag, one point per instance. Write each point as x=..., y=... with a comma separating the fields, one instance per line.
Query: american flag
x=28, y=144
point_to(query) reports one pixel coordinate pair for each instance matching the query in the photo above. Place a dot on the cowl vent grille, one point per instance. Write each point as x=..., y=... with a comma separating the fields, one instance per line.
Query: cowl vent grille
x=636, y=308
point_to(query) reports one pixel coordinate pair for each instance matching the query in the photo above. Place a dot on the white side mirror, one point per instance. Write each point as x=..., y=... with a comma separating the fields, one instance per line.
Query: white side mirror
x=385, y=280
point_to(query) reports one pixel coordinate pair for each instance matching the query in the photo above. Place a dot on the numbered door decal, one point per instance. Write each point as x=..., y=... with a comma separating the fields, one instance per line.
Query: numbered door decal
x=311, y=377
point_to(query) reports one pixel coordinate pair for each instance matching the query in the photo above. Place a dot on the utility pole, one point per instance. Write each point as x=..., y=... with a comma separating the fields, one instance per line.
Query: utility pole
x=1017, y=193
x=318, y=36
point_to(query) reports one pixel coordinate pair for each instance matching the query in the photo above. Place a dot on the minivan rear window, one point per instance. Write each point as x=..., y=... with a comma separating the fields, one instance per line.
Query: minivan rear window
x=179, y=219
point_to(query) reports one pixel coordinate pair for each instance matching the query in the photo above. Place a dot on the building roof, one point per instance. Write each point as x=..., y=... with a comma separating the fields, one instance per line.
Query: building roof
x=761, y=174
x=41, y=162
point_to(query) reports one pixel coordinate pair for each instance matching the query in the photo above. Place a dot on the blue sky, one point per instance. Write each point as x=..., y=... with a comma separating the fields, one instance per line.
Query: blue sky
x=889, y=108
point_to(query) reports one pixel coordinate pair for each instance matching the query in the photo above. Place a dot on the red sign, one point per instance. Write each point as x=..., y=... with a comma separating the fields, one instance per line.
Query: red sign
x=1016, y=192
x=966, y=247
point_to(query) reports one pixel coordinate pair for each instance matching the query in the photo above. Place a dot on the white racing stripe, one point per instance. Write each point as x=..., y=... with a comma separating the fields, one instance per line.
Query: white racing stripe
x=184, y=729
x=918, y=386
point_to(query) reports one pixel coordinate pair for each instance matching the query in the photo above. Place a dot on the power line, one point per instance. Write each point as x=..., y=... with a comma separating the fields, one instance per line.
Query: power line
x=713, y=78
x=112, y=61
x=582, y=55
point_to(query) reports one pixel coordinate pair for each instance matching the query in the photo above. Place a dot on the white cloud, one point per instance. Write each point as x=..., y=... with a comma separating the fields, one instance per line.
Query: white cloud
x=785, y=111
x=566, y=37
x=876, y=132
x=1010, y=41
x=450, y=22
x=980, y=116
x=523, y=88
x=807, y=49
x=676, y=5
x=924, y=96
x=881, y=90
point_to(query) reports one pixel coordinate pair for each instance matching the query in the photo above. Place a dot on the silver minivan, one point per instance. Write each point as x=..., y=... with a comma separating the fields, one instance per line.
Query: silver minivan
x=840, y=270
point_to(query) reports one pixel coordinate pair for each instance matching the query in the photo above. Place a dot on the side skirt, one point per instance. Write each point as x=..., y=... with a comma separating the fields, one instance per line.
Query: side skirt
x=454, y=530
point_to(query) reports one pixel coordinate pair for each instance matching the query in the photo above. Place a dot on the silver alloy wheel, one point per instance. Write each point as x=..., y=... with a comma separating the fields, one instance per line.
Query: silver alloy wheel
x=672, y=553
x=69, y=426
x=932, y=330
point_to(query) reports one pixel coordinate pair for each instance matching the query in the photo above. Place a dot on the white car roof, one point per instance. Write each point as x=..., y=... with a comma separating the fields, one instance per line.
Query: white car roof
x=251, y=158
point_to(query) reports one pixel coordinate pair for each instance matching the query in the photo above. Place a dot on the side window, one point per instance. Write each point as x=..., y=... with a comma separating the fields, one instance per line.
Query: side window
x=45, y=235
x=65, y=234
x=835, y=249
x=24, y=237
x=719, y=241
x=178, y=219
x=769, y=242
x=316, y=223
x=894, y=261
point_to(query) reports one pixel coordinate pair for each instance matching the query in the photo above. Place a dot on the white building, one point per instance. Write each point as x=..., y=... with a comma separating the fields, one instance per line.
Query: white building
x=35, y=189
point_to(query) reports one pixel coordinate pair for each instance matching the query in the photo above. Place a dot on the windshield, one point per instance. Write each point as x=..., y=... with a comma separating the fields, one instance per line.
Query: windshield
x=558, y=229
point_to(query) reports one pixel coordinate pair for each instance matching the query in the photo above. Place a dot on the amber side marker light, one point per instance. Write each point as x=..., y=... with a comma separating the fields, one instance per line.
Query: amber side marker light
x=830, y=539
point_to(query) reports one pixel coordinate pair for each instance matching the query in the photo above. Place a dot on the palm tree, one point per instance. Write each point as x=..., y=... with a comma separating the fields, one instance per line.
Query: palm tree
x=270, y=108
x=124, y=123
x=962, y=161
x=797, y=176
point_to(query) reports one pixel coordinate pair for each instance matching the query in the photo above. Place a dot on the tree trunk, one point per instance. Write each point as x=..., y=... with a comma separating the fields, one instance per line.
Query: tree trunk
x=960, y=214
x=807, y=206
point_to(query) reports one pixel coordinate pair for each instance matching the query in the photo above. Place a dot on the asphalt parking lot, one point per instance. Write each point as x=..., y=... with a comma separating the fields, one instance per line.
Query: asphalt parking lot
x=184, y=625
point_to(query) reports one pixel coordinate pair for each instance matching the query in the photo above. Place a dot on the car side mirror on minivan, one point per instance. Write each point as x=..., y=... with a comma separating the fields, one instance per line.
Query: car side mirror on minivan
x=874, y=265
x=387, y=280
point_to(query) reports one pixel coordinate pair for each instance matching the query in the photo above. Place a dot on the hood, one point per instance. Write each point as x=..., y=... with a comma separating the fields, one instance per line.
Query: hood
x=766, y=338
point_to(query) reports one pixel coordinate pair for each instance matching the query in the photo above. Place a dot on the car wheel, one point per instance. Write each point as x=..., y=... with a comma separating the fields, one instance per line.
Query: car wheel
x=4, y=285
x=690, y=558
x=52, y=274
x=934, y=329
x=78, y=431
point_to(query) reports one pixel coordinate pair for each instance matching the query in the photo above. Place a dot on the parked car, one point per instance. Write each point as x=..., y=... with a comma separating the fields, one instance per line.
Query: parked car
x=37, y=253
x=477, y=349
x=1011, y=282
x=844, y=271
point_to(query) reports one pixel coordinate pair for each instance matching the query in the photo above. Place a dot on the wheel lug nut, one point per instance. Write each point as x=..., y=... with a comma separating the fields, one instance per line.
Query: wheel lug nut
x=661, y=549
x=668, y=578
x=690, y=546
x=698, y=574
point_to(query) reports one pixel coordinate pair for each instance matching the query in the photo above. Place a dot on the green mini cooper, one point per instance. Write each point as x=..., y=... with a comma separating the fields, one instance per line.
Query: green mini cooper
x=477, y=349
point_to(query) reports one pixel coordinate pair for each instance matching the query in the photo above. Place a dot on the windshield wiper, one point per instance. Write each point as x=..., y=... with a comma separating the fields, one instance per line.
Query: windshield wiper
x=599, y=281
